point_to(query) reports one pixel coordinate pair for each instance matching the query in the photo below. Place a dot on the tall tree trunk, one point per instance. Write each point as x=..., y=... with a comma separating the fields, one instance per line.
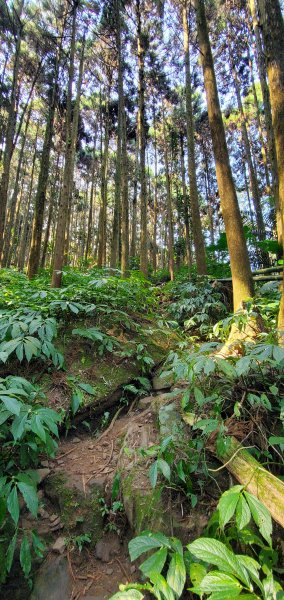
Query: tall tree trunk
x=102, y=225
x=273, y=36
x=134, y=200
x=169, y=203
x=155, y=215
x=10, y=132
x=58, y=258
x=91, y=206
x=12, y=206
x=124, y=205
x=142, y=142
x=27, y=217
x=52, y=204
x=114, y=255
x=264, y=150
x=252, y=175
x=253, y=5
x=185, y=205
x=198, y=240
x=40, y=198
x=240, y=266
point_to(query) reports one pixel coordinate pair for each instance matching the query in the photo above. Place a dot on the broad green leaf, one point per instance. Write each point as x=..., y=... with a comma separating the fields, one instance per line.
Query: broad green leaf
x=30, y=497
x=13, y=504
x=37, y=427
x=199, y=396
x=153, y=473
x=216, y=553
x=13, y=405
x=176, y=574
x=18, y=426
x=154, y=563
x=128, y=595
x=164, y=467
x=227, y=504
x=162, y=586
x=143, y=543
x=4, y=416
x=243, y=514
x=219, y=582
x=243, y=365
x=196, y=573
x=87, y=388
x=277, y=441
x=252, y=566
x=11, y=551
x=261, y=516
x=76, y=402
x=25, y=556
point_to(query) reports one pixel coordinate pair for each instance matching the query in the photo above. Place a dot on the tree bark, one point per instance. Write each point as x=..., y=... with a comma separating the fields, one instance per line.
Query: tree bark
x=58, y=257
x=240, y=266
x=267, y=115
x=12, y=206
x=198, y=239
x=273, y=36
x=10, y=132
x=169, y=203
x=142, y=142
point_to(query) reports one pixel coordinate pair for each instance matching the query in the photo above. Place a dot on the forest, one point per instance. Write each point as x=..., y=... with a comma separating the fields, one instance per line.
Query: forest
x=141, y=299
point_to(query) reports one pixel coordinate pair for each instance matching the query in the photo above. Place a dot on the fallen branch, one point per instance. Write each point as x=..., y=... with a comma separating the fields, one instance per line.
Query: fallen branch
x=251, y=474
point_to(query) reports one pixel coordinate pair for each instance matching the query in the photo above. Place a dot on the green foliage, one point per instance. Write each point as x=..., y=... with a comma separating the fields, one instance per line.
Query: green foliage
x=196, y=306
x=105, y=343
x=238, y=387
x=213, y=568
x=27, y=432
x=27, y=334
x=78, y=541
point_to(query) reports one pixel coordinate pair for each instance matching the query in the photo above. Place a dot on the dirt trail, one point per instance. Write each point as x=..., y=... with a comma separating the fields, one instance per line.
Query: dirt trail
x=86, y=460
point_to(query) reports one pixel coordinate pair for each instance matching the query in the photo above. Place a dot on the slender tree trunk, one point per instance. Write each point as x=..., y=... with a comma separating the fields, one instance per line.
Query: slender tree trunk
x=91, y=207
x=240, y=267
x=12, y=206
x=142, y=142
x=273, y=36
x=155, y=215
x=264, y=152
x=103, y=208
x=198, y=240
x=52, y=204
x=267, y=113
x=169, y=203
x=10, y=132
x=58, y=258
x=252, y=174
x=27, y=218
x=185, y=205
x=40, y=198
x=134, y=201
x=124, y=206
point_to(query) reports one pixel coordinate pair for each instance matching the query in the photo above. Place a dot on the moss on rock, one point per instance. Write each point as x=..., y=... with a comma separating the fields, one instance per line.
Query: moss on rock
x=79, y=513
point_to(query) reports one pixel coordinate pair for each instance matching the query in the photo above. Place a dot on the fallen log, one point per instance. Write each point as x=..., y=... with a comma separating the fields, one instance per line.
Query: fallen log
x=257, y=480
x=251, y=474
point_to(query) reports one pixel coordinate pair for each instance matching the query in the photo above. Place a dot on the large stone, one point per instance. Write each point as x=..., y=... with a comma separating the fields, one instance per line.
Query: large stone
x=80, y=512
x=143, y=505
x=162, y=383
x=53, y=580
x=60, y=545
